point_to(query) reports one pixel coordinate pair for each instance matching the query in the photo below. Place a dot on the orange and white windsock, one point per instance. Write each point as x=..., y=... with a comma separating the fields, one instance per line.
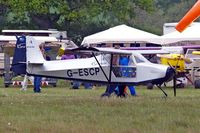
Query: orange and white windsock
x=190, y=16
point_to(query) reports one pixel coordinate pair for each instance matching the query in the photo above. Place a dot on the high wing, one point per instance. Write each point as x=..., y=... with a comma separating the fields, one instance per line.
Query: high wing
x=153, y=52
x=116, y=51
x=102, y=50
x=146, y=50
x=196, y=52
x=127, y=51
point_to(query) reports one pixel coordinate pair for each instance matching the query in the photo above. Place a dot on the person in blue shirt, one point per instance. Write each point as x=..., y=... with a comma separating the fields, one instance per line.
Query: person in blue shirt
x=124, y=61
x=119, y=89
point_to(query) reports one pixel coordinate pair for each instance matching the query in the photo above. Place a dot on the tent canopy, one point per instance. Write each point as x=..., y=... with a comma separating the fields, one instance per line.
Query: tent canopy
x=121, y=34
x=189, y=34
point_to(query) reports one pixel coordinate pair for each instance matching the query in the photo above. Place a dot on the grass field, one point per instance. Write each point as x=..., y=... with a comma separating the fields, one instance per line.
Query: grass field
x=61, y=109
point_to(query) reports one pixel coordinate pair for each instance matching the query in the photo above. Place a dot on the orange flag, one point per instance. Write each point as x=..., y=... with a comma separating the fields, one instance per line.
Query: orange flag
x=190, y=16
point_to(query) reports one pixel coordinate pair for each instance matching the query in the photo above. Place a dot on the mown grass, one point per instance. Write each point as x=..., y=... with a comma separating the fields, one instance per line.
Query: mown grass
x=64, y=110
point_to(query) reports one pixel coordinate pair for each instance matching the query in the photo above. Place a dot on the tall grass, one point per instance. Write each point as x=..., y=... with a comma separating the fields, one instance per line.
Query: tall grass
x=64, y=110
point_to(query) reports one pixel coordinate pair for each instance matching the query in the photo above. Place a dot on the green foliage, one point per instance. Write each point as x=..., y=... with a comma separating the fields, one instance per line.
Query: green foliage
x=81, y=18
x=75, y=16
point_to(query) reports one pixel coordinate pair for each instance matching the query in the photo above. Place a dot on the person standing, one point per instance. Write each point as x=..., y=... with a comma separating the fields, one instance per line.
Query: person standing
x=67, y=56
x=112, y=87
x=124, y=61
x=37, y=84
x=37, y=78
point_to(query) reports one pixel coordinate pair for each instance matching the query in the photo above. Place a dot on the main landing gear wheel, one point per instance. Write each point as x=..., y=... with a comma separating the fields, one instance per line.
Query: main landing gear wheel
x=150, y=86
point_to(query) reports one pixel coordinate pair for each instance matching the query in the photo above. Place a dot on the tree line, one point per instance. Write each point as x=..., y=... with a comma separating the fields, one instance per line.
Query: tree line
x=84, y=17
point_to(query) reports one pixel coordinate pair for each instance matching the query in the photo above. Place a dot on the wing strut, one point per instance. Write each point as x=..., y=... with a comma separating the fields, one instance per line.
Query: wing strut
x=100, y=66
x=111, y=60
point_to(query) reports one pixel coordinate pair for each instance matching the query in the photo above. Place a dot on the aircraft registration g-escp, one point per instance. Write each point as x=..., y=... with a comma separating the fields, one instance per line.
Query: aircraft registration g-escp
x=83, y=72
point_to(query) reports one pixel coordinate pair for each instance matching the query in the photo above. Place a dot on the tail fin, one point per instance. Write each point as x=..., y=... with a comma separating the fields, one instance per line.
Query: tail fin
x=191, y=15
x=33, y=53
x=19, y=58
x=26, y=51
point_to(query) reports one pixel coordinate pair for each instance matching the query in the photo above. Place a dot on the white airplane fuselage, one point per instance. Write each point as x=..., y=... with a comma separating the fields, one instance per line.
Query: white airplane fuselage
x=99, y=68
x=87, y=69
x=93, y=69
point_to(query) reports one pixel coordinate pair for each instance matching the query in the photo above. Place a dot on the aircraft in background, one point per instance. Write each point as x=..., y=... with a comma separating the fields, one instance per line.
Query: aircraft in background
x=100, y=68
x=189, y=17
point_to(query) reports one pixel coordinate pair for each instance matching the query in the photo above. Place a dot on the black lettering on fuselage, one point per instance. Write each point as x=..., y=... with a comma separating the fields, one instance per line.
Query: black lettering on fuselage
x=86, y=72
x=91, y=71
x=80, y=71
x=83, y=72
x=69, y=73
x=96, y=70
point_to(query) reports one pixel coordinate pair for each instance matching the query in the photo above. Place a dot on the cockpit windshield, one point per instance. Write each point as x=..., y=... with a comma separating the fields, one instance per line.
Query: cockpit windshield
x=140, y=59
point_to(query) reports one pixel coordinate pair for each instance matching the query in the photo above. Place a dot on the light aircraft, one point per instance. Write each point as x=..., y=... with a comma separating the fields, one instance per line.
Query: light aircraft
x=178, y=61
x=99, y=68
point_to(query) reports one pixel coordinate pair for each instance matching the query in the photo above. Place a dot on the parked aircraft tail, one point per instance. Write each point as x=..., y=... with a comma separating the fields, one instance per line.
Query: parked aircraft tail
x=190, y=16
x=27, y=51
x=19, y=58
x=34, y=53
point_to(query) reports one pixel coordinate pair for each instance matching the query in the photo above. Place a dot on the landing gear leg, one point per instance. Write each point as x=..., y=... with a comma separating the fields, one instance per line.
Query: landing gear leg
x=159, y=86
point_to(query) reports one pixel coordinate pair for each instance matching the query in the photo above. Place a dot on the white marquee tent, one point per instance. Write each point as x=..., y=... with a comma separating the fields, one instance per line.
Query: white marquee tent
x=189, y=34
x=122, y=34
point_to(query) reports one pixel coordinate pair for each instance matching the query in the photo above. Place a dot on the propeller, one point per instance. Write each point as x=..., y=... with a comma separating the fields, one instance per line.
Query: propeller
x=174, y=83
x=174, y=77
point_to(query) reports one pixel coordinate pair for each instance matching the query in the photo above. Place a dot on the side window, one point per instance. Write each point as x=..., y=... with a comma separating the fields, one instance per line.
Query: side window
x=115, y=60
x=125, y=67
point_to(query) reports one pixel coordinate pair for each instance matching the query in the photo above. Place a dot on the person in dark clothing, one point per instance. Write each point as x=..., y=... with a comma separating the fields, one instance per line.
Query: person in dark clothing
x=113, y=87
x=38, y=79
x=37, y=84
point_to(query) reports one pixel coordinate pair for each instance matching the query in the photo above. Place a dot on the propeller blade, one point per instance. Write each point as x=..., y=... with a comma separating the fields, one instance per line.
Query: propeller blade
x=174, y=84
x=170, y=65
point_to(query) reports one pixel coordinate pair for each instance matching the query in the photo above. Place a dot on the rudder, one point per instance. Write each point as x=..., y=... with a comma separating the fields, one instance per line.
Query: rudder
x=19, y=58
